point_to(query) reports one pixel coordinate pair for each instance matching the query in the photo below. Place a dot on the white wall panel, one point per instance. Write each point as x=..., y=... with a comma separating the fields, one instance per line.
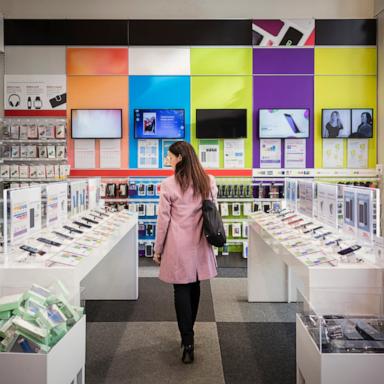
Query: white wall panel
x=159, y=61
x=34, y=60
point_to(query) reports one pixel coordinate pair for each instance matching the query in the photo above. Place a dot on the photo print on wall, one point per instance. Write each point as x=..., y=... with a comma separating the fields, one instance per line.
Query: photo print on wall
x=285, y=32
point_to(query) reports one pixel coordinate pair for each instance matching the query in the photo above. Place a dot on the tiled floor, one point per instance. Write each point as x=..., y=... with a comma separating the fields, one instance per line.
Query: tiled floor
x=236, y=342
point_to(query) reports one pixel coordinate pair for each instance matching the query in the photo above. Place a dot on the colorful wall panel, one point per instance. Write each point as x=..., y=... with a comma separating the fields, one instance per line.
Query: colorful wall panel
x=159, y=61
x=282, y=92
x=293, y=61
x=102, y=92
x=97, y=61
x=157, y=92
x=345, y=78
x=221, y=61
x=223, y=92
x=346, y=61
x=283, y=78
x=344, y=92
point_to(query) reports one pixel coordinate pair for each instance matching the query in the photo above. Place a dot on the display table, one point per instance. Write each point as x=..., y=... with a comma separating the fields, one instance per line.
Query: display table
x=314, y=367
x=110, y=272
x=275, y=274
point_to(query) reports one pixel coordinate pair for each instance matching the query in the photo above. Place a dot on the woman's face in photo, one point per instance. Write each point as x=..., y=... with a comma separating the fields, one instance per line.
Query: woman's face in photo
x=364, y=118
x=334, y=116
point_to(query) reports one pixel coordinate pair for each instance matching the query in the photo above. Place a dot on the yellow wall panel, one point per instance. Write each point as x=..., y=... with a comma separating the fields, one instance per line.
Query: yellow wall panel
x=344, y=92
x=346, y=61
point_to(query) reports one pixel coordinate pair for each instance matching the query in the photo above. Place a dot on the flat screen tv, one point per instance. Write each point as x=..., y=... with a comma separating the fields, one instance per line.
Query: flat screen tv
x=362, y=123
x=336, y=123
x=221, y=123
x=159, y=123
x=96, y=123
x=284, y=123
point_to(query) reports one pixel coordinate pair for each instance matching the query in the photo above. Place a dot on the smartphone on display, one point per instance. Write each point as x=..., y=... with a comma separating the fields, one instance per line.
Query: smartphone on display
x=32, y=218
x=292, y=123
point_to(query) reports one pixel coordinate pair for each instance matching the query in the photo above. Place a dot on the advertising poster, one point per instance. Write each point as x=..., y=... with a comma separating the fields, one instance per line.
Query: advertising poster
x=35, y=92
x=357, y=153
x=166, y=144
x=270, y=153
x=56, y=203
x=93, y=193
x=234, y=153
x=284, y=32
x=333, y=153
x=148, y=152
x=327, y=204
x=110, y=153
x=364, y=214
x=25, y=213
x=305, y=202
x=349, y=210
x=209, y=153
x=19, y=217
x=295, y=153
x=291, y=194
x=85, y=151
x=78, y=196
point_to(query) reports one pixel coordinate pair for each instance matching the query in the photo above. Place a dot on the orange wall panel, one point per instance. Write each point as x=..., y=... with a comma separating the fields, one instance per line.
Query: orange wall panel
x=98, y=92
x=97, y=61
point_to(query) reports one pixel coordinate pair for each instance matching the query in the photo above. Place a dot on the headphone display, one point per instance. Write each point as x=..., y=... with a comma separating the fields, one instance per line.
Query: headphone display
x=14, y=100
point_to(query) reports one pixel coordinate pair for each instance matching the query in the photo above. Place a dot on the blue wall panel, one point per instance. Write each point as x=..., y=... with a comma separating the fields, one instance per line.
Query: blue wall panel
x=168, y=92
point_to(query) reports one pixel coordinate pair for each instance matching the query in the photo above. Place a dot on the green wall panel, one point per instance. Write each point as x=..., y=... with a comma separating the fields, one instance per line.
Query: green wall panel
x=222, y=92
x=221, y=61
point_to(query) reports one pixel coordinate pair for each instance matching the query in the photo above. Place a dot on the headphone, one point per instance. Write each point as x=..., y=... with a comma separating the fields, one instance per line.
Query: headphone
x=14, y=100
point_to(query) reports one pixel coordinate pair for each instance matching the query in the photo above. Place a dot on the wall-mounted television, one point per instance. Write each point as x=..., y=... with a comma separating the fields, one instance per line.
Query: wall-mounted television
x=221, y=123
x=96, y=123
x=362, y=123
x=283, y=123
x=336, y=123
x=347, y=123
x=159, y=123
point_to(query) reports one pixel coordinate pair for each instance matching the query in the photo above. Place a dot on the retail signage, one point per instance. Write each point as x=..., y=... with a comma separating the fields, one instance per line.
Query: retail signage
x=327, y=204
x=295, y=150
x=57, y=203
x=305, y=202
x=35, y=92
x=25, y=213
x=270, y=153
x=233, y=153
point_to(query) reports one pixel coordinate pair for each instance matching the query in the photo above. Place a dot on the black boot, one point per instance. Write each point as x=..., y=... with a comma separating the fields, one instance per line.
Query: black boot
x=188, y=355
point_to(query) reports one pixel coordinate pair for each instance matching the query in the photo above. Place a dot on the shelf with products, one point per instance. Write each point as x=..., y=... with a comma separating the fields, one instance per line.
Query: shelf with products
x=33, y=141
x=27, y=159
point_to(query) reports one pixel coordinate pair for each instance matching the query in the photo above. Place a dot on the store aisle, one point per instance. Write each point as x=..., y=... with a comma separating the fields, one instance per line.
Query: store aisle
x=236, y=342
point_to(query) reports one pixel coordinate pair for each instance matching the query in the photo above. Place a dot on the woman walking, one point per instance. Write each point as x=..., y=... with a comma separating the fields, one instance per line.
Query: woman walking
x=181, y=249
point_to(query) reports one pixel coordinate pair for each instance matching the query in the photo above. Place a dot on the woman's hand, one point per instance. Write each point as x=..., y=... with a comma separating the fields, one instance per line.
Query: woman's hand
x=157, y=258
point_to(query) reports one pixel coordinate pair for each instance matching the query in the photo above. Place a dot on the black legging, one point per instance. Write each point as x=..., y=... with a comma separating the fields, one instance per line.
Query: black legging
x=187, y=297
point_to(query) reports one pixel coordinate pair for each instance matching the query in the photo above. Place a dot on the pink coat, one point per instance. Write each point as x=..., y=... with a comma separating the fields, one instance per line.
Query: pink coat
x=186, y=256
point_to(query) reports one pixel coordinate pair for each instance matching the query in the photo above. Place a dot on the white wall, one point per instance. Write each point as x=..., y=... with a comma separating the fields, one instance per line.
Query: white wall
x=194, y=9
x=378, y=6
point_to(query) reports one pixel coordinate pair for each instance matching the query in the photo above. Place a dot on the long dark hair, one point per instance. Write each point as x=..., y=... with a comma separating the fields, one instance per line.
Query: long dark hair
x=189, y=170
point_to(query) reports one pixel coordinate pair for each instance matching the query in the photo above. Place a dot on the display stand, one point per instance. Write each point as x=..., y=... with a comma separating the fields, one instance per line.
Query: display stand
x=275, y=274
x=109, y=273
x=314, y=367
x=63, y=364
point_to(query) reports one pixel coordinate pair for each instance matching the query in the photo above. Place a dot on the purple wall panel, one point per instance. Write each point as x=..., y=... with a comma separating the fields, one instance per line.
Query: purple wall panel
x=285, y=61
x=283, y=92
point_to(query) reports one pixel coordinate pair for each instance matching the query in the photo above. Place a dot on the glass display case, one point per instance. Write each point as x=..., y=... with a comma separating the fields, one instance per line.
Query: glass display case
x=342, y=332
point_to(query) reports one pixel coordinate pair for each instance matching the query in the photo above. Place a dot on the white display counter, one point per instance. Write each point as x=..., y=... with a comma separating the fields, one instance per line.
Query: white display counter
x=275, y=274
x=63, y=364
x=314, y=367
x=109, y=272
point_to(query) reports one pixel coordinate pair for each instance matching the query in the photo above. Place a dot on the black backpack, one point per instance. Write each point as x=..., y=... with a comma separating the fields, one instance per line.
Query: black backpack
x=213, y=227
